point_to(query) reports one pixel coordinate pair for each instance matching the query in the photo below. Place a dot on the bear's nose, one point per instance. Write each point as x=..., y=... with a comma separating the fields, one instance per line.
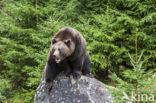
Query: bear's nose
x=54, y=56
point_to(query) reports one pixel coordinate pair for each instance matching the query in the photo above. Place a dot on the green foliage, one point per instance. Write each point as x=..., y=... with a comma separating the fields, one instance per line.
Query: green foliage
x=107, y=25
x=136, y=81
x=5, y=86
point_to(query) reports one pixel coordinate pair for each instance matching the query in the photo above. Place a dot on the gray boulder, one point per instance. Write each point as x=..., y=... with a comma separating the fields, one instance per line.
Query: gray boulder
x=68, y=90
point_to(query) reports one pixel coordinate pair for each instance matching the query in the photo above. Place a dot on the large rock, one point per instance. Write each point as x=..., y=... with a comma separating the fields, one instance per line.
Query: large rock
x=68, y=90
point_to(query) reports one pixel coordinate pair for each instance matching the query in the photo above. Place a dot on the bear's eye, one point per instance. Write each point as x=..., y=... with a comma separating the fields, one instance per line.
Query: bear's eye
x=68, y=42
x=53, y=41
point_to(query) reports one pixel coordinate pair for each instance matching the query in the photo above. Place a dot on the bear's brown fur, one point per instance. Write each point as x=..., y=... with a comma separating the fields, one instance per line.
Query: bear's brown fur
x=68, y=53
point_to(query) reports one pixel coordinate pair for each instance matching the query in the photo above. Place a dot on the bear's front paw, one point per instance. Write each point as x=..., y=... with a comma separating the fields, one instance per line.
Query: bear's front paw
x=76, y=76
x=68, y=74
x=48, y=85
x=89, y=75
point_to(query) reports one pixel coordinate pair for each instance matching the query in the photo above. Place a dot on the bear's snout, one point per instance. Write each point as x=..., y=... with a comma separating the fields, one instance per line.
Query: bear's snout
x=56, y=56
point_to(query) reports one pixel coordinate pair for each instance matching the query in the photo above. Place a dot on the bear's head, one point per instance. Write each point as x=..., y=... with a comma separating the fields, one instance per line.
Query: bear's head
x=64, y=44
x=61, y=49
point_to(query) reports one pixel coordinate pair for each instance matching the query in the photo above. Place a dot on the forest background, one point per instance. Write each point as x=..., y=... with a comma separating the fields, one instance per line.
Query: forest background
x=109, y=27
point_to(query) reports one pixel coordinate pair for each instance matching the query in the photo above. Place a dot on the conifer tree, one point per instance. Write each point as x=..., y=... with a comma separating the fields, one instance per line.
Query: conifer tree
x=108, y=26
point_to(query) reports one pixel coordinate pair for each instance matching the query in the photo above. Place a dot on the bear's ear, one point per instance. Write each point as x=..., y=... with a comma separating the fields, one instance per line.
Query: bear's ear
x=53, y=41
x=68, y=42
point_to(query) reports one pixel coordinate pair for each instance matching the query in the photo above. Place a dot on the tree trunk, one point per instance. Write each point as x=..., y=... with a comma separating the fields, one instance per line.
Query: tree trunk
x=35, y=6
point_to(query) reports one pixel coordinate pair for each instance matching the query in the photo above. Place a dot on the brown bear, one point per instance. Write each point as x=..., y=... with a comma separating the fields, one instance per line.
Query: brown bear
x=68, y=53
